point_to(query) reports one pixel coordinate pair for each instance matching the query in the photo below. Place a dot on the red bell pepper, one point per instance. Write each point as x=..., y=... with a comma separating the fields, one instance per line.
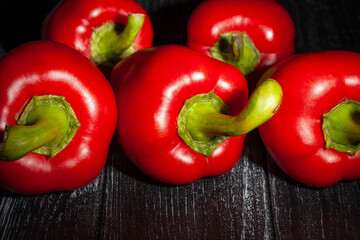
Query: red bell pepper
x=57, y=117
x=105, y=31
x=173, y=107
x=314, y=137
x=251, y=35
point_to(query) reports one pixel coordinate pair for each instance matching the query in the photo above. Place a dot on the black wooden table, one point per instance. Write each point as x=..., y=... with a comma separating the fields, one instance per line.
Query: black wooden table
x=255, y=200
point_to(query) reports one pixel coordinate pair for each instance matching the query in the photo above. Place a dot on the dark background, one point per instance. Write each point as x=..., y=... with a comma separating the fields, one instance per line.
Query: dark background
x=255, y=200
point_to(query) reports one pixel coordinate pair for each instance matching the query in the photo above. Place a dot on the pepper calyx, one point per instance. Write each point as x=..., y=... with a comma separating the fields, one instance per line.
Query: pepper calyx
x=341, y=127
x=204, y=121
x=192, y=115
x=112, y=42
x=46, y=126
x=237, y=49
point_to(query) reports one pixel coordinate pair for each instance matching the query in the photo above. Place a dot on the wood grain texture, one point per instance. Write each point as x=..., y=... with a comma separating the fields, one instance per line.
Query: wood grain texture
x=255, y=200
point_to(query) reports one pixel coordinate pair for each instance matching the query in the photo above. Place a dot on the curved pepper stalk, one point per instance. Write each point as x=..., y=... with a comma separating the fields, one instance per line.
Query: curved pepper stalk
x=151, y=135
x=46, y=126
x=112, y=42
x=204, y=122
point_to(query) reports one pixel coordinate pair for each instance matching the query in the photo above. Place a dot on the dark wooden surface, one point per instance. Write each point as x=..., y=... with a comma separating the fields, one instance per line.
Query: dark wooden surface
x=255, y=200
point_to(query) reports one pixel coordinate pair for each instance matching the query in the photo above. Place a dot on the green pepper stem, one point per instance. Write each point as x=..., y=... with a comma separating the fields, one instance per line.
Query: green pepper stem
x=238, y=50
x=262, y=105
x=112, y=42
x=203, y=122
x=46, y=126
x=341, y=127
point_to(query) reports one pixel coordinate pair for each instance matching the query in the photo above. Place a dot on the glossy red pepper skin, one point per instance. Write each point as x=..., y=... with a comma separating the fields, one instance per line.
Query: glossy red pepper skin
x=312, y=83
x=49, y=68
x=151, y=87
x=265, y=22
x=73, y=21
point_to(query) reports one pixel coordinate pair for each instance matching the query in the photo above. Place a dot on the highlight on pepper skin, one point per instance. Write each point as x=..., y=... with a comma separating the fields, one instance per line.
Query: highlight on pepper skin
x=251, y=35
x=196, y=115
x=105, y=31
x=320, y=112
x=53, y=114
